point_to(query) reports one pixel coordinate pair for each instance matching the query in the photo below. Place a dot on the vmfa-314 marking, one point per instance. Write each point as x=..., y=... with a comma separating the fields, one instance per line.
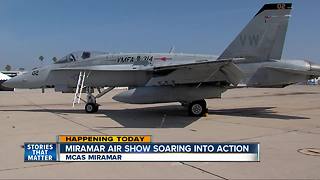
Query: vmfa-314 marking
x=253, y=59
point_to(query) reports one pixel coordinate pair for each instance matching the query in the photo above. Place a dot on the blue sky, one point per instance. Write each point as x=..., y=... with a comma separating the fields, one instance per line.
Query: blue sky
x=30, y=28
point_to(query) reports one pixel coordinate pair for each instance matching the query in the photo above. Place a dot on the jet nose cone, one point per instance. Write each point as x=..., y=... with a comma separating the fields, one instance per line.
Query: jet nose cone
x=15, y=82
x=6, y=84
x=10, y=83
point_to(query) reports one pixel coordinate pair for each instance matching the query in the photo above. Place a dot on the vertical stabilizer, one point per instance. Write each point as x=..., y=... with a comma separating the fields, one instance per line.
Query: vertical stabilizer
x=263, y=37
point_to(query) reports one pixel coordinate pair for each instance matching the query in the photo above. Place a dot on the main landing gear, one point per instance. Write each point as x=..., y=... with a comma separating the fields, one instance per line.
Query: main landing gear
x=197, y=108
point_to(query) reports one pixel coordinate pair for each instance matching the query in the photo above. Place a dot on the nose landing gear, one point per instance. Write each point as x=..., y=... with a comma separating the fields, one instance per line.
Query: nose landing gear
x=91, y=105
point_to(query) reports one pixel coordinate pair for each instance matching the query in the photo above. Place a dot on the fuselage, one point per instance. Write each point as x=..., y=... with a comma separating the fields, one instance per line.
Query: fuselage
x=126, y=68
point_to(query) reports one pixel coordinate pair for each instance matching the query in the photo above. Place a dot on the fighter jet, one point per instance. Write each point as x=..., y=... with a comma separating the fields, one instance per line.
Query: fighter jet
x=253, y=59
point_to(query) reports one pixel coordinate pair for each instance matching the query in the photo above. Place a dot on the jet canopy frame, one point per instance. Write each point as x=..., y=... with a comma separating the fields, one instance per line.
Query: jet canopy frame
x=78, y=56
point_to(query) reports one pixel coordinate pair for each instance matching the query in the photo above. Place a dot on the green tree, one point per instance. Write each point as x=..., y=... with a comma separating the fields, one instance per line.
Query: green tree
x=54, y=59
x=8, y=67
x=41, y=58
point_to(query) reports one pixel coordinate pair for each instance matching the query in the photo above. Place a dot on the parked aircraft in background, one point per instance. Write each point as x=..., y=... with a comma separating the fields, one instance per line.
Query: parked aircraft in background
x=4, y=78
x=253, y=59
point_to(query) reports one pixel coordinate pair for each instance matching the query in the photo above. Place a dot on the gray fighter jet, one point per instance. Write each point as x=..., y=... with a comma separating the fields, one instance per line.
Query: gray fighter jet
x=253, y=59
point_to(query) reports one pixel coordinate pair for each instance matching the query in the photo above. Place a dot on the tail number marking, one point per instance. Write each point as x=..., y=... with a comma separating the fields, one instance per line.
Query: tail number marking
x=281, y=6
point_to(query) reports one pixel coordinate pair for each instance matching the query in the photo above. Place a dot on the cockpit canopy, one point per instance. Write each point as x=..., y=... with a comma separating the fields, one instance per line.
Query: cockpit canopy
x=79, y=55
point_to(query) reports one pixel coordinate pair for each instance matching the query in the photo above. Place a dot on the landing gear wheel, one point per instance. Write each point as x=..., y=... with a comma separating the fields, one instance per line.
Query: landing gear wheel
x=91, y=107
x=96, y=108
x=197, y=108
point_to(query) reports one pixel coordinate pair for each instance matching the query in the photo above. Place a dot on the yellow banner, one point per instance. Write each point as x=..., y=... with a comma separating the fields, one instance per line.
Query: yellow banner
x=104, y=138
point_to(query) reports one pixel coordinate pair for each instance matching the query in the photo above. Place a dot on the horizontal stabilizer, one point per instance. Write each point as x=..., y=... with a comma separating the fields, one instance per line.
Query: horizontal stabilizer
x=277, y=76
x=296, y=71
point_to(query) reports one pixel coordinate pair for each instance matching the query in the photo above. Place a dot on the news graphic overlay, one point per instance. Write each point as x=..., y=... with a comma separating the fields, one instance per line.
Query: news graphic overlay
x=138, y=148
x=40, y=152
x=103, y=139
x=158, y=152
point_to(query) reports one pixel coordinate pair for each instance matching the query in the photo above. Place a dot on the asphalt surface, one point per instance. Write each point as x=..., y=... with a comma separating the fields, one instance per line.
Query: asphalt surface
x=282, y=120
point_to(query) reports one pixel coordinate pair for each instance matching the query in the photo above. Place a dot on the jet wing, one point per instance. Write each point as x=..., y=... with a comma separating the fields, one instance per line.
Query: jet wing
x=200, y=72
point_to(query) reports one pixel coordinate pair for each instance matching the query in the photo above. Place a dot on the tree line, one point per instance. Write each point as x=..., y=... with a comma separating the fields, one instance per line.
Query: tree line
x=8, y=67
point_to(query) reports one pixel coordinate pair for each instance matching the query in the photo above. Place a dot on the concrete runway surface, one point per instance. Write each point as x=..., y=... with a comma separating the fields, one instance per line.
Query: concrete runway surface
x=282, y=120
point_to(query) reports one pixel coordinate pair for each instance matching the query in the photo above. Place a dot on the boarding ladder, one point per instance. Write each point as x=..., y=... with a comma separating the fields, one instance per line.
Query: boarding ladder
x=80, y=84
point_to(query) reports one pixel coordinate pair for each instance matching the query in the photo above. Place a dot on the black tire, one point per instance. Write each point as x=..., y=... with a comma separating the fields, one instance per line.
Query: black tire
x=91, y=108
x=96, y=108
x=197, y=108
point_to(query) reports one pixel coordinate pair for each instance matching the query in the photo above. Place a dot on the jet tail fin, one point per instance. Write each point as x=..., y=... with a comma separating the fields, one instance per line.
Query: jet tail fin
x=263, y=37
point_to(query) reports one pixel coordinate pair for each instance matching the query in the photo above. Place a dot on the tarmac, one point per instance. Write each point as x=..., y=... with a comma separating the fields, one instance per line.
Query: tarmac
x=284, y=121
